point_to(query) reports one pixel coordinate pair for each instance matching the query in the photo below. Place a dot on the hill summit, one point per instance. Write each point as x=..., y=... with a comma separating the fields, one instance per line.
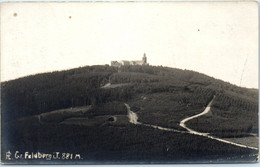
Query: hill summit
x=81, y=107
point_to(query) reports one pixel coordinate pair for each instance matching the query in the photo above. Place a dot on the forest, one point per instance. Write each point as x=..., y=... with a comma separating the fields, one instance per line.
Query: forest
x=77, y=87
x=159, y=95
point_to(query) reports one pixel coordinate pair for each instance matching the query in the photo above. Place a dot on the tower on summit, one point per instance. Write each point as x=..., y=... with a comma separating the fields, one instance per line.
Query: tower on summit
x=144, y=59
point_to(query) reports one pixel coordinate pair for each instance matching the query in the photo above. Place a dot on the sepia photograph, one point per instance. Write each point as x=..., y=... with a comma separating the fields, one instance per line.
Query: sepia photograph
x=129, y=82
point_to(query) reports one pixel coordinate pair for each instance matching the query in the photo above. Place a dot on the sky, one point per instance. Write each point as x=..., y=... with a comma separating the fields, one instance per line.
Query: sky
x=219, y=39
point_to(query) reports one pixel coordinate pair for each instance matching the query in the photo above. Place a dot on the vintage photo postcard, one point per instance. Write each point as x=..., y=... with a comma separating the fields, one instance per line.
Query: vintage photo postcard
x=129, y=82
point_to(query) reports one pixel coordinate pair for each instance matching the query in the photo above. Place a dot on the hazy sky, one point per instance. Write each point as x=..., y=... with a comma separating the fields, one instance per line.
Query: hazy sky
x=219, y=39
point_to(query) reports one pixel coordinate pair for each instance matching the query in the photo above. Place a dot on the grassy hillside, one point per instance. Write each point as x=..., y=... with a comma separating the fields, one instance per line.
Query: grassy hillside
x=159, y=95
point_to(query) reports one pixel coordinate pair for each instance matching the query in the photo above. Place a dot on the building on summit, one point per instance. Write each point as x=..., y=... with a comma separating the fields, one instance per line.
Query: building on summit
x=130, y=63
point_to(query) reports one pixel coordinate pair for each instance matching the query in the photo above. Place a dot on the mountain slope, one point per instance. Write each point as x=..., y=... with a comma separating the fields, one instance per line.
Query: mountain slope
x=93, y=97
x=77, y=87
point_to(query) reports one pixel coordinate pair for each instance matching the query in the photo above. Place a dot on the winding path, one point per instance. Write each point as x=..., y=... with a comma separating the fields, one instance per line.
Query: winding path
x=191, y=131
x=182, y=123
x=133, y=118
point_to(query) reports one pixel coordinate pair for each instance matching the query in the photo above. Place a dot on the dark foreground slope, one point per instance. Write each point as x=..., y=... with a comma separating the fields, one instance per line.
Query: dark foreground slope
x=70, y=112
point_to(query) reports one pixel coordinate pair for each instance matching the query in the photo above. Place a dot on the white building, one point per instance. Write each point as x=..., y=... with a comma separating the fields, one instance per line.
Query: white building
x=130, y=63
